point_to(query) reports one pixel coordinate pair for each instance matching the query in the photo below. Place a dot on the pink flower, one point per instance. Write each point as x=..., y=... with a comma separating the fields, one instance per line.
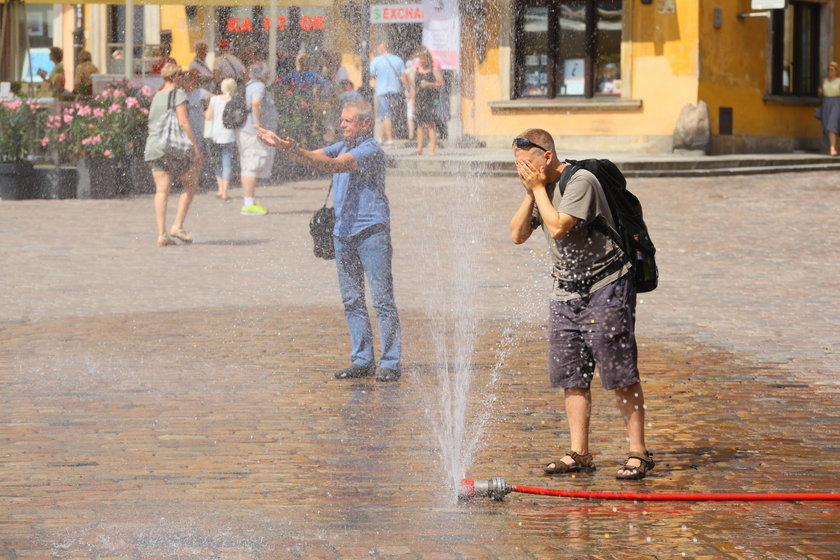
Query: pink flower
x=146, y=90
x=68, y=118
x=44, y=141
x=99, y=112
x=119, y=93
x=83, y=110
x=86, y=141
x=107, y=153
x=96, y=139
x=114, y=108
x=131, y=102
x=62, y=137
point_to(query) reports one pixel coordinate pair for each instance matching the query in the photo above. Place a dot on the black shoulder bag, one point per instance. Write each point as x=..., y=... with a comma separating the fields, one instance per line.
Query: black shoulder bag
x=321, y=227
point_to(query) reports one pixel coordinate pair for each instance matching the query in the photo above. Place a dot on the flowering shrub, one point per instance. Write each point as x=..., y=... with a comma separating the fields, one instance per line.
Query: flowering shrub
x=300, y=114
x=113, y=124
x=19, y=121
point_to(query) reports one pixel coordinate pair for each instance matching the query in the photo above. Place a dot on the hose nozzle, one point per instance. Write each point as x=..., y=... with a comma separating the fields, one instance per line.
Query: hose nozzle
x=495, y=488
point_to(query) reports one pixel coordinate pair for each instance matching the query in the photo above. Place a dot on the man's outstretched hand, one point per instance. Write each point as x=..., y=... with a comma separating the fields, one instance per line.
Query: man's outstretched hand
x=271, y=139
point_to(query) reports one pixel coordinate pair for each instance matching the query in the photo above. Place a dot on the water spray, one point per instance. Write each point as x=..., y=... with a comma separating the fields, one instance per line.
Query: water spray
x=496, y=489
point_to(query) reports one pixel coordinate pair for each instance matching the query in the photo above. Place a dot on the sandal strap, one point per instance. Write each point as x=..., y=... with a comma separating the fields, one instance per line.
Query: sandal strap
x=582, y=459
x=647, y=462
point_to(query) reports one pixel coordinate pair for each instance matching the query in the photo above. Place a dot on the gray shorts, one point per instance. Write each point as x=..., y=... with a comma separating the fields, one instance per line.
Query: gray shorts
x=596, y=329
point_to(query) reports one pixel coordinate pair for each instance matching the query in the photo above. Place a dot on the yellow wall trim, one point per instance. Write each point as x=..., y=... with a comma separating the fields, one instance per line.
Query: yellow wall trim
x=534, y=105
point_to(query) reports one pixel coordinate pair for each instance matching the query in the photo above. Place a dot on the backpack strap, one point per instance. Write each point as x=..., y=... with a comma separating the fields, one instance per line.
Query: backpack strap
x=573, y=167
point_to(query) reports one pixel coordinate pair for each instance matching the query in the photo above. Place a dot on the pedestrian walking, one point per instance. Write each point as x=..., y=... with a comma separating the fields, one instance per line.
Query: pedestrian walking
x=223, y=138
x=593, y=303
x=389, y=72
x=166, y=167
x=255, y=158
x=83, y=81
x=56, y=78
x=362, y=237
x=425, y=91
x=227, y=65
x=830, y=107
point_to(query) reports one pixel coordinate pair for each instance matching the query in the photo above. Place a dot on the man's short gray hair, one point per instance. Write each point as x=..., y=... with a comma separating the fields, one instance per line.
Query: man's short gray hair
x=362, y=108
x=258, y=71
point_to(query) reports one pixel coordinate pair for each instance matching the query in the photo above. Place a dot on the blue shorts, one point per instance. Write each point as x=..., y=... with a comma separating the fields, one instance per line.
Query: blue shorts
x=595, y=329
x=383, y=107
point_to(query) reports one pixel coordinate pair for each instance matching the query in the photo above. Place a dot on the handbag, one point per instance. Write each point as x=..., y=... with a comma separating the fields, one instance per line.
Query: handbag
x=174, y=141
x=321, y=229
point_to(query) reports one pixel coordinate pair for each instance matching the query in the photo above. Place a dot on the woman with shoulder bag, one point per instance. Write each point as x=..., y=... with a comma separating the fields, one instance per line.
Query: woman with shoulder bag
x=223, y=138
x=166, y=162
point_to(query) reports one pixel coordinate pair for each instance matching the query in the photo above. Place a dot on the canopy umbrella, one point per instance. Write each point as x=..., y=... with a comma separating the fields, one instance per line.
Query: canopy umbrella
x=14, y=40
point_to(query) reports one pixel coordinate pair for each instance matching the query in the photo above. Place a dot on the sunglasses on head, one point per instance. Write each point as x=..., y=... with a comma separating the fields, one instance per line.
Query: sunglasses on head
x=525, y=144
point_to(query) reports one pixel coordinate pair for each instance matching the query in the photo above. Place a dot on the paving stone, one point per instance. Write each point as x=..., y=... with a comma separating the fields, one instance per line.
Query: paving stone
x=179, y=402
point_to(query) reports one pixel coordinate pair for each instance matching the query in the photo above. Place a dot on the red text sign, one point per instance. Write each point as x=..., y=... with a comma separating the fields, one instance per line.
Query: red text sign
x=307, y=23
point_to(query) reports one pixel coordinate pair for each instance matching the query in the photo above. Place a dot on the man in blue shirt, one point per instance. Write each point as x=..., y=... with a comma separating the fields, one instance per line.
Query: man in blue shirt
x=389, y=72
x=362, y=237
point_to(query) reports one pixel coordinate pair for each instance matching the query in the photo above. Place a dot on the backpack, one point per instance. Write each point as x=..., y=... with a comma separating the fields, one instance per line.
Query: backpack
x=236, y=111
x=632, y=235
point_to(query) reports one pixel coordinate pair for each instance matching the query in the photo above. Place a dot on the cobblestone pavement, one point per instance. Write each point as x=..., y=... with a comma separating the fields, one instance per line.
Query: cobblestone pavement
x=179, y=402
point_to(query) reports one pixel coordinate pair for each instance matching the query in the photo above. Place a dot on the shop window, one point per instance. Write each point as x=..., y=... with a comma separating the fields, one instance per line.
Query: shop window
x=796, y=49
x=567, y=48
x=117, y=27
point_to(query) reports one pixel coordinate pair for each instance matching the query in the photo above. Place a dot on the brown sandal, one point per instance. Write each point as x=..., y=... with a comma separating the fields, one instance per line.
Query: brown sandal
x=582, y=463
x=646, y=464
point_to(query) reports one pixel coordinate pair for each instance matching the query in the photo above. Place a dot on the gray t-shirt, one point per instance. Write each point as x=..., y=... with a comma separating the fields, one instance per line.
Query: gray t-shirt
x=269, y=117
x=588, y=250
x=157, y=110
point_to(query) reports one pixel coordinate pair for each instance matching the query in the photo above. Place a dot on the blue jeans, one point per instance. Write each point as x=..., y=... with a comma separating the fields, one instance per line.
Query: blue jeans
x=369, y=254
x=224, y=160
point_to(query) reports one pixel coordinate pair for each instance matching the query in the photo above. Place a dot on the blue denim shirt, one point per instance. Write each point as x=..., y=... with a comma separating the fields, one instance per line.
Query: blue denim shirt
x=359, y=197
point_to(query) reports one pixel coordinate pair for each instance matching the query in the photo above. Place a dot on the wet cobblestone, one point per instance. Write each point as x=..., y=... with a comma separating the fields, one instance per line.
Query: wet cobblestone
x=179, y=402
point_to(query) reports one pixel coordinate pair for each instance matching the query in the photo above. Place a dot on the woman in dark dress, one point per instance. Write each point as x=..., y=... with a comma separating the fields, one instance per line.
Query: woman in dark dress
x=426, y=94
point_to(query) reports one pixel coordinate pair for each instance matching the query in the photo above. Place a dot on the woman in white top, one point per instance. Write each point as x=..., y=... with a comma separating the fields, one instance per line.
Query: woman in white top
x=224, y=138
x=830, y=93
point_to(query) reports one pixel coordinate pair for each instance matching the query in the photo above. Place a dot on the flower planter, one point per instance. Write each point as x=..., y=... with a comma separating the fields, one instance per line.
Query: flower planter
x=98, y=178
x=55, y=182
x=16, y=180
x=138, y=176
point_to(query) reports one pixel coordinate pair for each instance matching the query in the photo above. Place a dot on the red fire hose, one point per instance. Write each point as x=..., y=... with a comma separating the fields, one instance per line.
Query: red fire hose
x=496, y=488
x=676, y=497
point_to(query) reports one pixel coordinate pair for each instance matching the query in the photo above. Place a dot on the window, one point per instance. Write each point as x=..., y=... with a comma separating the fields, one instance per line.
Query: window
x=567, y=48
x=796, y=49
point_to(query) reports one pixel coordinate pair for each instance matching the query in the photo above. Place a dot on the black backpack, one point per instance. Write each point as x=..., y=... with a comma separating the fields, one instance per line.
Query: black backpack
x=236, y=111
x=632, y=235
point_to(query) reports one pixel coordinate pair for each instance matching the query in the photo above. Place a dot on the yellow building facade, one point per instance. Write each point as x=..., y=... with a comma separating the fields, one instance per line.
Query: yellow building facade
x=757, y=70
